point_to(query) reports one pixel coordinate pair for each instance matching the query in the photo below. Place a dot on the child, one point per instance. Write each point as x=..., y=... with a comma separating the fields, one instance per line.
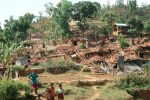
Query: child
x=51, y=92
x=60, y=92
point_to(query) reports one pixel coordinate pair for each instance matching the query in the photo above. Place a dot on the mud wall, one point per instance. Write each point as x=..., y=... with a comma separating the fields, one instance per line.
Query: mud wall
x=140, y=94
x=30, y=70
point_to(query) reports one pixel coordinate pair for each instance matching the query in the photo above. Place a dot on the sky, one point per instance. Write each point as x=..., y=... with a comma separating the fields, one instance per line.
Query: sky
x=18, y=8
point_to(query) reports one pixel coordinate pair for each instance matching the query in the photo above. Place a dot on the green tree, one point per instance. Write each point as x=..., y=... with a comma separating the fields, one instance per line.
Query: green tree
x=24, y=22
x=119, y=3
x=10, y=29
x=16, y=30
x=60, y=16
x=132, y=5
x=98, y=29
x=147, y=26
x=136, y=24
x=122, y=42
x=14, y=69
x=84, y=9
x=1, y=30
x=108, y=17
x=8, y=53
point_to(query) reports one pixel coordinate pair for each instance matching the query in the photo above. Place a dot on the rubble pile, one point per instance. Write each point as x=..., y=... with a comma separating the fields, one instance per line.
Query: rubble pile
x=103, y=53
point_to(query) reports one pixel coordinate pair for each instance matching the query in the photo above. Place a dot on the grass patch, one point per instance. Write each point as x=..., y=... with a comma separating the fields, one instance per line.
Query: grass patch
x=78, y=93
x=72, y=92
x=110, y=92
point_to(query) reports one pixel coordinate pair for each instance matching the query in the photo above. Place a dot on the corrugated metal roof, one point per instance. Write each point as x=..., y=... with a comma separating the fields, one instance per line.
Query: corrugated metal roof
x=121, y=24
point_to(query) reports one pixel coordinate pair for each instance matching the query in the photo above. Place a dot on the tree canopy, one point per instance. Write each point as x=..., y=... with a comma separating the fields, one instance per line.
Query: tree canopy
x=132, y=5
x=84, y=9
x=60, y=19
x=16, y=30
x=147, y=26
x=136, y=24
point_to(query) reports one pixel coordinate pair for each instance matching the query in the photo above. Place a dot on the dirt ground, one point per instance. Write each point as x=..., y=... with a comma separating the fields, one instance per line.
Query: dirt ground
x=69, y=77
x=72, y=77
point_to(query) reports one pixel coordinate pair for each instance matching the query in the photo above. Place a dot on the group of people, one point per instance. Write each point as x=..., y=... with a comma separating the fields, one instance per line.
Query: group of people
x=50, y=92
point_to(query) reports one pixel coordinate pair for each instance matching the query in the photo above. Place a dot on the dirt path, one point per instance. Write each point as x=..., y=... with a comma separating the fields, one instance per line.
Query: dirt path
x=96, y=95
x=91, y=77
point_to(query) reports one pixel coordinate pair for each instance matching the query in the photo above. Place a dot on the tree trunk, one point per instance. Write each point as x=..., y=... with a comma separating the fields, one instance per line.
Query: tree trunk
x=16, y=75
x=8, y=75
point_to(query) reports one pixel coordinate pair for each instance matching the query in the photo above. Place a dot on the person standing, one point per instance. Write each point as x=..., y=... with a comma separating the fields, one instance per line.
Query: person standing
x=51, y=92
x=60, y=92
x=33, y=76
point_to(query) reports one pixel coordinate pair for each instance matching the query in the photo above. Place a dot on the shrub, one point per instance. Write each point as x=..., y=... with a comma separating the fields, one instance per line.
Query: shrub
x=123, y=42
x=57, y=66
x=147, y=26
x=132, y=32
x=82, y=46
x=87, y=69
x=68, y=92
x=36, y=64
x=133, y=81
x=146, y=69
x=10, y=90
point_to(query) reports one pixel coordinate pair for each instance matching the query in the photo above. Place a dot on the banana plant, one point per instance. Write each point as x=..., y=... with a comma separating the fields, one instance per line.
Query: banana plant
x=8, y=53
x=14, y=69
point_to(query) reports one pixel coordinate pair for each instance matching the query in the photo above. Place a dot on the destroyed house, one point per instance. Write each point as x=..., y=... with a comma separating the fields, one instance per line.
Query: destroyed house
x=78, y=41
x=131, y=53
x=144, y=51
x=22, y=61
x=74, y=29
x=34, y=44
x=120, y=29
x=61, y=49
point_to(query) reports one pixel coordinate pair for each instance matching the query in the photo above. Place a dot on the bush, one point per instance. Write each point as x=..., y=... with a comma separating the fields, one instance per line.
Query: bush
x=82, y=46
x=57, y=66
x=10, y=90
x=68, y=92
x=132, y=32
x=123, y=42
x=146, y=69
x=147, y=26
x=36, y=64
x=133, y=81
x=87, y=69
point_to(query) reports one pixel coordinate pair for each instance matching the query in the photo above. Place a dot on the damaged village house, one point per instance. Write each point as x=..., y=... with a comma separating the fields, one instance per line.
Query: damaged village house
x=98, y=59
x=111, y=57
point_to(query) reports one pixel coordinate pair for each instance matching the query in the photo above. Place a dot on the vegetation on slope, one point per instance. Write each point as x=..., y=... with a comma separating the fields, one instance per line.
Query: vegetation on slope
x=11, y=90
x=59, y=66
